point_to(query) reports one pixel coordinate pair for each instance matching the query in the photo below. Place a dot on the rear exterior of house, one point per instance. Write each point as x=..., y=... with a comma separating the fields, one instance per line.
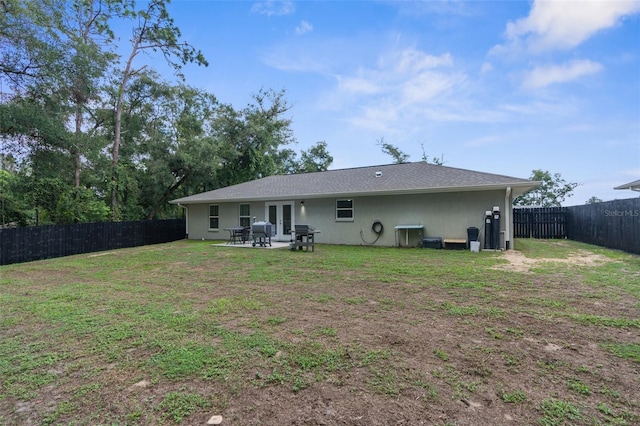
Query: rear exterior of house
x=361, y=205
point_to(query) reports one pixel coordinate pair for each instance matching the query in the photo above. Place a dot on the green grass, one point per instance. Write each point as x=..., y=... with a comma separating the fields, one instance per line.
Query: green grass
x=558, y=412
x=78, y=332
x=629, y=351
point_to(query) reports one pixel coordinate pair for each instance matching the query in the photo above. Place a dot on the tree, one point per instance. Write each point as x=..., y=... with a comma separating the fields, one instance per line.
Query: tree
x=30, y=48
x=593, y=200
x=315, y=159
x=398, y=156
x=435, y=160
x=155, y=31
x=552, y=191
x=250, y=140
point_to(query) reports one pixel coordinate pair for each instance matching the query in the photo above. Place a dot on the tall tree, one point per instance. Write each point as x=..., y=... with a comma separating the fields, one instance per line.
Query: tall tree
x=315, y=159
x=154, y=31
x=552, y=191
x=395, y=152
x=30, y=47
x=251, y=140
x=89, y=39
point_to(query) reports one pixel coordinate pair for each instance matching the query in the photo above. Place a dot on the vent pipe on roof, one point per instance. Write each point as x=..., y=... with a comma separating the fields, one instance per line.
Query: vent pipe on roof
x=378, y=174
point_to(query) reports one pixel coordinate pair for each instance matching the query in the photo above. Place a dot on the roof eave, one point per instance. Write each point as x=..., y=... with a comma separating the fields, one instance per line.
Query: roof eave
x=518, y=188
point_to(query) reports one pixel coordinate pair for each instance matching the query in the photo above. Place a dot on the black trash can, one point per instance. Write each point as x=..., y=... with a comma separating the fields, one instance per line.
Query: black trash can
x=472, y=235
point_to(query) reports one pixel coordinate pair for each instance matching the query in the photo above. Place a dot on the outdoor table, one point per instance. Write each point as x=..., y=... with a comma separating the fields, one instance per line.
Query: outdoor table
x=235, y=234
x=406, y=229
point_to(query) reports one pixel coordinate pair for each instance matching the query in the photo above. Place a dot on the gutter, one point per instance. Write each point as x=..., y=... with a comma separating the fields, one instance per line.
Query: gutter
x=186, y=215
x=507, y=218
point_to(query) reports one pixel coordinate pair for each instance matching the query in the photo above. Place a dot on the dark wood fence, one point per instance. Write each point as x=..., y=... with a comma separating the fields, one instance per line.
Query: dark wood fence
x=45, y=242
x=613, y=224
x=540, y=222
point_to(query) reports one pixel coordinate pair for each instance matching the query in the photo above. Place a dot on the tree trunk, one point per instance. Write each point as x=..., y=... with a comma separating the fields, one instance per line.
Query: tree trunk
x=76, y=148
x=165, y=196
x=117, y=138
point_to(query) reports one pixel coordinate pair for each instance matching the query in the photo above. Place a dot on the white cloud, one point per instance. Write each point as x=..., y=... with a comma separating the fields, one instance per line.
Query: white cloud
x=486, y=68
x=402, y=85
x=563, y=24
x=273, y=7
x=545, y=76
x=304, y=28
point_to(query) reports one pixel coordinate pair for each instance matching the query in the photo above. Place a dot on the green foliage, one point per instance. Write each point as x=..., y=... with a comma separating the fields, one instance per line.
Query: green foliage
x=92, y=136
x=80, y=205
x=178, y=405
x=513, y=397
x=552, y=191
x=315, y=159
x=625, y=350
x=558, y=412
x=395, y=152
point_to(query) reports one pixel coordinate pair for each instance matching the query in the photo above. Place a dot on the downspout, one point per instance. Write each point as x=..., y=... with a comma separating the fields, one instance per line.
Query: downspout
x=186, y=221
x=507, y=219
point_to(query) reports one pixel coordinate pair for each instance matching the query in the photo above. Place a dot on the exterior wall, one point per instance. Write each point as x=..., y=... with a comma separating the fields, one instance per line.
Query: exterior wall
x=446, y=215
x=229, y=214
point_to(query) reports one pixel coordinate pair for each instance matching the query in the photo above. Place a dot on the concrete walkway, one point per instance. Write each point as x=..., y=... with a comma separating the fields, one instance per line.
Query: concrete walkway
x=249, y=244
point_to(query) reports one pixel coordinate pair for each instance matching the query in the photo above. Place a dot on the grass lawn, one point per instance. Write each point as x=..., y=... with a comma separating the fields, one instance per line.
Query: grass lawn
x=177, y=333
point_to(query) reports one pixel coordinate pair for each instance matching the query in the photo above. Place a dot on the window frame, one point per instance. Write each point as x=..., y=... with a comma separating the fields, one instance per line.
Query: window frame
x=245, y=216
x=214, y=216
x=345, y=209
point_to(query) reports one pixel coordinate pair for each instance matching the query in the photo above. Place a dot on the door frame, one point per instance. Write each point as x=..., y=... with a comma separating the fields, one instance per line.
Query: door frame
x=279, y=226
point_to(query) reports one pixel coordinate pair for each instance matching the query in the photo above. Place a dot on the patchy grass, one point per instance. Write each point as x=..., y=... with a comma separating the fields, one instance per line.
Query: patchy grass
x=176, y=333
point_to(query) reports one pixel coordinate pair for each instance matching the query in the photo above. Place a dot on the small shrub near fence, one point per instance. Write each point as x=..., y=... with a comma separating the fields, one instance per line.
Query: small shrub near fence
x=45, y=242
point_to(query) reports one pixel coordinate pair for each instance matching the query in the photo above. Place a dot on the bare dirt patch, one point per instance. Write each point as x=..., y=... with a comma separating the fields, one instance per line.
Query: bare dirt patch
x=517, y=261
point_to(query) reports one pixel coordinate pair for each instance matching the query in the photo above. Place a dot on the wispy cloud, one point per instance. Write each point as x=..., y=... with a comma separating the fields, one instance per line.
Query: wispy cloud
x=482, y=141
x=273, y=7
x=304, y=28
x=402, y=86
x=562, y=24
x=544, y=76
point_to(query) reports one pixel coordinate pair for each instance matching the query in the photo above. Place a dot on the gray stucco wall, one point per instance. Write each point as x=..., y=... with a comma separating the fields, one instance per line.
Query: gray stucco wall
x=446, y=215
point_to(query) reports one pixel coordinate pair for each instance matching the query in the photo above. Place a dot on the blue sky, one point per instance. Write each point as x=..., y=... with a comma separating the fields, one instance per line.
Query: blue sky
x=497, y=86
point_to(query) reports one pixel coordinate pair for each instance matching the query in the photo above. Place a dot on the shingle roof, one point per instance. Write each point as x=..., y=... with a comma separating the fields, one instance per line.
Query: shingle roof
x=418, y=177
x=635, y=185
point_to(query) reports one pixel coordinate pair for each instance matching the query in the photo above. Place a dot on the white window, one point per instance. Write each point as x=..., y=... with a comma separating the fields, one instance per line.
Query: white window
x=245, y=215
x=214, y=218
x=344, y=210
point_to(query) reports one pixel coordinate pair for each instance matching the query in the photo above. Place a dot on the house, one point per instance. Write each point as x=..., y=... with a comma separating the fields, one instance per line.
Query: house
x=362, y=205
x=634, y=186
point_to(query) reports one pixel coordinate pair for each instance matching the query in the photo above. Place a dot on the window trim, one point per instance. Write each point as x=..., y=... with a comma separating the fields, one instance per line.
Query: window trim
x=241, y=216
x=210, y=216
x=351, y=209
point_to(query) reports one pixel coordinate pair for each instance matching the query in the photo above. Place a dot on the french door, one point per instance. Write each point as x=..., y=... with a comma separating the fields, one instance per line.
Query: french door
x=282, y=215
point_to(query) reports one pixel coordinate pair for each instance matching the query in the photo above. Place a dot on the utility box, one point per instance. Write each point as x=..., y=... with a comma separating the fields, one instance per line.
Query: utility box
x=488, y=230
x=472, y=235
x=432, y=242
x=495, y=227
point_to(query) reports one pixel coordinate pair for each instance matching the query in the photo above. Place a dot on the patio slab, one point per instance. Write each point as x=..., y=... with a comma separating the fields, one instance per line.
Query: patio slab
x=274, y=245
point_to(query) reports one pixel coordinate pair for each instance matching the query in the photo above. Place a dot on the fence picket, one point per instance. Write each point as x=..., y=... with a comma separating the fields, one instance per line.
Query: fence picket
x=613, y=224
x=45, y=242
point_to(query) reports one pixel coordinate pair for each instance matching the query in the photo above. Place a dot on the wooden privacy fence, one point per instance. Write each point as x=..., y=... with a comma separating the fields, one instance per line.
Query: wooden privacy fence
x=613, y=224
x=540, y=222
x=45, y=242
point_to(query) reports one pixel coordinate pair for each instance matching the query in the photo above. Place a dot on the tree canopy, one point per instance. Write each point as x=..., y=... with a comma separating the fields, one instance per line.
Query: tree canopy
x=553, y=190
x=88, y=135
